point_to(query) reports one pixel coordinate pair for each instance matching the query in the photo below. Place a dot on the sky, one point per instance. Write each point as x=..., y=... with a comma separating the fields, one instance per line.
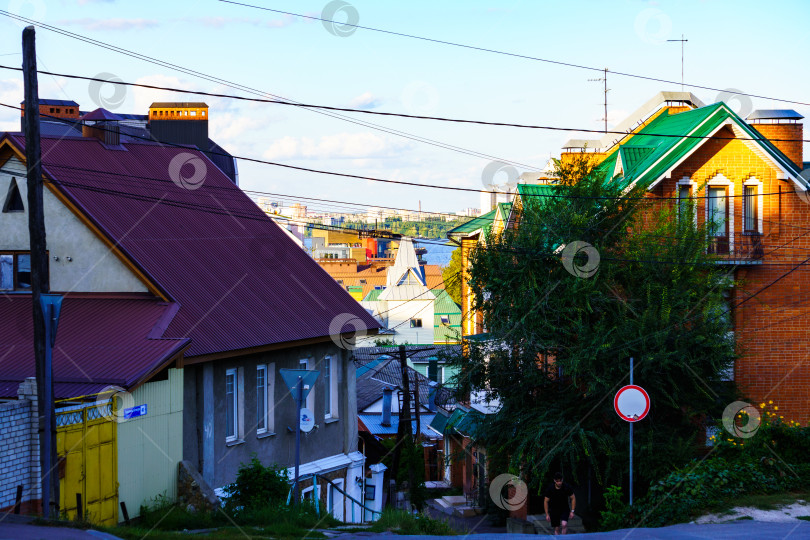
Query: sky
x=749, y=46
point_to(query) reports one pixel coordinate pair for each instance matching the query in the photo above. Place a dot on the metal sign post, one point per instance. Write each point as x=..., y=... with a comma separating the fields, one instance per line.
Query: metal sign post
x=298, y=435
x=632, y=403
x=300, y=382
x=51, y=309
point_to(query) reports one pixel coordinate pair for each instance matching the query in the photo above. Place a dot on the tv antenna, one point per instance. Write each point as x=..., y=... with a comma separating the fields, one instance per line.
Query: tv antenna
x=682, y=40
x=604, y=79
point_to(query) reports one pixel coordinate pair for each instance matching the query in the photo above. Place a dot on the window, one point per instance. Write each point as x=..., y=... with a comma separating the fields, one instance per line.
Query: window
x=750, y=220
x=717, y=210
x=445, y=320
x=15, y=271
x=327, y=387
x=51, y=109
x=310, y=401
x=416, y=323
x=362, y=282
x=684, y=196
x=231, y=405
x=261, y=399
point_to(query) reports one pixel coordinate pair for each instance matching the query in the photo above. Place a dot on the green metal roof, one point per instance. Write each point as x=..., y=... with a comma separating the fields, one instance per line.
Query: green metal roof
x=439, y=422
x=505, y=208
x=473, y=225
x=658, y=146
x=444, y=304
x=373, y=295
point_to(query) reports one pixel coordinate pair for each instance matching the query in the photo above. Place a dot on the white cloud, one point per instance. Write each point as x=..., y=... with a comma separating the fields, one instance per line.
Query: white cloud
x=11, y=92
x=339, y=146
x=88, y=23
x=366, y=101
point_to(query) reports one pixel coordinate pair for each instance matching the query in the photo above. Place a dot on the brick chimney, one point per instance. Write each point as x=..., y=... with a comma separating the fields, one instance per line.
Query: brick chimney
x=783, y=128
x=53, y=108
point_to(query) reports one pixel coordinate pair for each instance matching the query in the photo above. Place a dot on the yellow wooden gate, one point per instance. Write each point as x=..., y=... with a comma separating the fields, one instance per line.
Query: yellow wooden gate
x=86, y=443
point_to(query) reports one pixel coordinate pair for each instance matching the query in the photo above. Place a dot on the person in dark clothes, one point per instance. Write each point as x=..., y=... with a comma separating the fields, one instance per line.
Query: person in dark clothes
x=555, y=503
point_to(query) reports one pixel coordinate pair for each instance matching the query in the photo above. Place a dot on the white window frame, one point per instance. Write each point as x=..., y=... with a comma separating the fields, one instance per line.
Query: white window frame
x=267, y=390
x=687, y=182
x=754, y=181
x=315, y=489
x=229, y=437
x=334, y=378
x=721, y=181
x=310, y=402
x=327, y=386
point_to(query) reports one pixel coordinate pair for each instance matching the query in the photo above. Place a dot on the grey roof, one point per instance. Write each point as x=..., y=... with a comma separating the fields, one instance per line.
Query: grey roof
x=178, y=104
x=387, y=372
x=774, y=114
x=416, y=353
x=57, y=102
x=373, y=421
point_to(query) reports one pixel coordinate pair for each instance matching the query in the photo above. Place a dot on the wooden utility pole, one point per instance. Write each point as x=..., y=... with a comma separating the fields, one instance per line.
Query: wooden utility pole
x=39, y=276
x=404, y=426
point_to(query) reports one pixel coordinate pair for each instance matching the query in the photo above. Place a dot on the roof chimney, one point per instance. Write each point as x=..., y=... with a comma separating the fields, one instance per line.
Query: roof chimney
x=180, y=122
x=432, y=396
x=386, y=407
x=782, y=127
x=103, y=125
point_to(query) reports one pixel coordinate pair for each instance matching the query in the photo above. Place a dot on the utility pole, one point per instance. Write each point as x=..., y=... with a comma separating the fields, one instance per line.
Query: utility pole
x=39, y=277
x=604, y=79
x=682, y=40
x=404, y=427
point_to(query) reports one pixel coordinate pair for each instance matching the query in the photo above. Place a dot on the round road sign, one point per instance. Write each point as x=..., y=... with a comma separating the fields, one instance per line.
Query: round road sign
x=632, y=403
x=307, y=420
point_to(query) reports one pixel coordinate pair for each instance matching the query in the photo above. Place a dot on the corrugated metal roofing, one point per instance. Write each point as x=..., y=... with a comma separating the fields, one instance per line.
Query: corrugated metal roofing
x=473, y=225
x=101, y=114
x=178, y=104
x=240, y=281
x=374, y=424
x=57, y=102
x=774, y=114
x=100, y=342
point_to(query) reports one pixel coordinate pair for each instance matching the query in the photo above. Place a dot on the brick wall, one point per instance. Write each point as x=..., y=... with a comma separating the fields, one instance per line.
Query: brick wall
x=19, y=448
x=770, y=328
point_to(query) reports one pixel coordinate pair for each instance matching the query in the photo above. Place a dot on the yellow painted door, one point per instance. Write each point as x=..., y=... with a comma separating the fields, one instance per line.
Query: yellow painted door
x=87, y=448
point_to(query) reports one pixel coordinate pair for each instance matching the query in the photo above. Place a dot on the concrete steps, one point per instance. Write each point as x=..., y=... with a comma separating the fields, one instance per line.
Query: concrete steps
x=456, y=505
x=541, y=526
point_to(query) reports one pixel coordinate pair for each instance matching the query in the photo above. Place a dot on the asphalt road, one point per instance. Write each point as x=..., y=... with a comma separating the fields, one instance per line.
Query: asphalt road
x=743, y=530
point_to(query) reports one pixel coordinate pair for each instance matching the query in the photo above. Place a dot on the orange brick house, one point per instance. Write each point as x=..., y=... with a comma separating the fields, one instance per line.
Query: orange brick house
x=750, y=176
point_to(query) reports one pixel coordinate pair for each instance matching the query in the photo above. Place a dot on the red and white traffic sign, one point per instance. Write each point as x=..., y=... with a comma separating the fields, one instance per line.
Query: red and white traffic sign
x=632, y=403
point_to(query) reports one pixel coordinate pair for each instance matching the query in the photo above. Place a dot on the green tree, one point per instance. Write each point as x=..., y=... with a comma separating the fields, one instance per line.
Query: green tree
x=451, y=274
x=560, y=344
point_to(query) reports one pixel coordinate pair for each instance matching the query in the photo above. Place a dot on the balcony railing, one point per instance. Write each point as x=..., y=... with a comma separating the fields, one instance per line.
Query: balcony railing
x=737, y=247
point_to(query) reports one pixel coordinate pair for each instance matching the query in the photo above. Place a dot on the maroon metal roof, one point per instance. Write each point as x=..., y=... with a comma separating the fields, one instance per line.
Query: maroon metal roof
x=101, y=114
x=240, y=280
x=100, y=342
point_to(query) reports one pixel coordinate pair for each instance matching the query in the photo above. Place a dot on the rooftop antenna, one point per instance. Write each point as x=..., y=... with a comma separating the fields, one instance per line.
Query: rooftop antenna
x=604, y=79
x=682, y=40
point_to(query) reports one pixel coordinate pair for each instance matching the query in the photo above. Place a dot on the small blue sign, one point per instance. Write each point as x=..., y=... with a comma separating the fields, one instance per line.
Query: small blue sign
x=135, y=412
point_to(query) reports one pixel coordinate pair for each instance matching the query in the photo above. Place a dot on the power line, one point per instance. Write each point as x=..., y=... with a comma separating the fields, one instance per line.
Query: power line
x=371, y=178
x=505, y=53
x=237, y=86
x=403, y=115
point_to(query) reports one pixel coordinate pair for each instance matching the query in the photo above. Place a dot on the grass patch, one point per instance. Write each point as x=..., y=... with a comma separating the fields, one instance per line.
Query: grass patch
x=772, y=501
x=403, y=522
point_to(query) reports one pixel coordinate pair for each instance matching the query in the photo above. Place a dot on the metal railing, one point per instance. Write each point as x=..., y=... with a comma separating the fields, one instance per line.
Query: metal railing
x=738, y=246
x=329, y=482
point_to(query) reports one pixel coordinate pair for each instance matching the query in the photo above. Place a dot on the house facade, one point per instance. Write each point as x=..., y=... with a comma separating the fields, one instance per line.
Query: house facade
x=748, y=179
x=183, y=295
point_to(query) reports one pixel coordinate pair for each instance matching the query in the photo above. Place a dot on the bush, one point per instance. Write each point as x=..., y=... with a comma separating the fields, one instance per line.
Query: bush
x=257, y=486
x=404, y=522
x=774, y=460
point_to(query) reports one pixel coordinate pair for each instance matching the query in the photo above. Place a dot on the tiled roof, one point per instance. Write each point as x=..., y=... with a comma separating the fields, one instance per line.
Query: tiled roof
x=100, y=342
x=240, y=281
